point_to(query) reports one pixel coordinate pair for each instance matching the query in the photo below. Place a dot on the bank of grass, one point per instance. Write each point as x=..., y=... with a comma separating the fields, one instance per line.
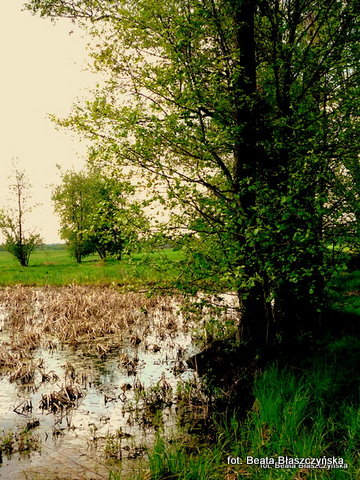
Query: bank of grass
x=56, y=267
x=305, y=406
x=298, y=412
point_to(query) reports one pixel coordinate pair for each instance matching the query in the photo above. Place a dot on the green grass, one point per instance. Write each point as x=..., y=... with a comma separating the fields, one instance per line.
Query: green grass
x=56, y=267
x=297, y=412
x=345, y=291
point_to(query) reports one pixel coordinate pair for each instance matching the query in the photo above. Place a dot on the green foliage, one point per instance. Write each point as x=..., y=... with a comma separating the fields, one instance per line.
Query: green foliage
x=73, y=203
x=23, y=249
x=96, y=215
x=345, y=292
x=18, y=240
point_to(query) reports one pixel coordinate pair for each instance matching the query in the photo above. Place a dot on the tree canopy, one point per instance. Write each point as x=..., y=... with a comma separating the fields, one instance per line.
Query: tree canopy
x=246, y=110
x=96, y=214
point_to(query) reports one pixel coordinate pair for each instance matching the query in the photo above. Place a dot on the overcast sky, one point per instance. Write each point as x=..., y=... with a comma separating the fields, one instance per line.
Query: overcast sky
x=43, y=72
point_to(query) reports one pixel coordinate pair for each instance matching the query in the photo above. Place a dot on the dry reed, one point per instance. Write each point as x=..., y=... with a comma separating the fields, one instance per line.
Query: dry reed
x=78, y=314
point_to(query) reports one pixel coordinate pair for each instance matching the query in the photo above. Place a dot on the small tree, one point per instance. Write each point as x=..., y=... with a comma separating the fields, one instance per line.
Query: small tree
x=73, y=204
x=96, y=214
x=19, y=241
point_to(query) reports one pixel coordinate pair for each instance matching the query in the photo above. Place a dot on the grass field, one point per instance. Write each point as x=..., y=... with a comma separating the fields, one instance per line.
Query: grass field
x=56, y=267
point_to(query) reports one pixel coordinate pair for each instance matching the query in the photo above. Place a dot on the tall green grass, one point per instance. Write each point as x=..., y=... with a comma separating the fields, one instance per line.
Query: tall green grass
x=304, y=411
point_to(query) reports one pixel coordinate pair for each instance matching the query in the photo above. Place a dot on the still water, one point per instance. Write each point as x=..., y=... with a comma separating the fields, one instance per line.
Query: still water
x=82, y=408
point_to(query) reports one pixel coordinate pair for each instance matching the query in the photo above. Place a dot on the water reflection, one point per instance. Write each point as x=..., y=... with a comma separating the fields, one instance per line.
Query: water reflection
x=77, y=403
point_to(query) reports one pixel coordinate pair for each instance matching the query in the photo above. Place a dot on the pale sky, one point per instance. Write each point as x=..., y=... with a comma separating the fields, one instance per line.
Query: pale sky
x=42, y=72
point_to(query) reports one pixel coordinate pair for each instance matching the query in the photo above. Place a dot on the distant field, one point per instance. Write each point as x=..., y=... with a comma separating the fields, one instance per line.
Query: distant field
x=56, y=267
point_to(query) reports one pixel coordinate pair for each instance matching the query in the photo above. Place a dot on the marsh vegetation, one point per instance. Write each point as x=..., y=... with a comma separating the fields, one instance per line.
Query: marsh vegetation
x=95, y=380
x=89, y=375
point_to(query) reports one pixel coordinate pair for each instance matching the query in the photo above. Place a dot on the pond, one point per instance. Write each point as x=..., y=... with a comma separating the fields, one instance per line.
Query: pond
x=87, y=377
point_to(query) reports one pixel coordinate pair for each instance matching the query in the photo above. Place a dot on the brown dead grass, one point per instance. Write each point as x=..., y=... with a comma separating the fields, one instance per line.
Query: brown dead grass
x=98, y=319
x=76, y=314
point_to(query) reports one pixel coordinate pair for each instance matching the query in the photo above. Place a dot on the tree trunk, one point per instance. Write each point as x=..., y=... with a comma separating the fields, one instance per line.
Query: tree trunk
x=256, y=327
x=256, y=320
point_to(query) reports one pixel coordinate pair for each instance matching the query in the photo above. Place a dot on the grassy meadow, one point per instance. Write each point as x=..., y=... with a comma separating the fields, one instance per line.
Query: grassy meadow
x=56, y=267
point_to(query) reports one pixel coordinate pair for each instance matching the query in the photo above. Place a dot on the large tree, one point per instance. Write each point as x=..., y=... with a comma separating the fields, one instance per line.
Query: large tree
x=242, y=109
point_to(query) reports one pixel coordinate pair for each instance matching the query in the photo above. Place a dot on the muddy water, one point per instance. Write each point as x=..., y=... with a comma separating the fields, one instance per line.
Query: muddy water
x=123, y=397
